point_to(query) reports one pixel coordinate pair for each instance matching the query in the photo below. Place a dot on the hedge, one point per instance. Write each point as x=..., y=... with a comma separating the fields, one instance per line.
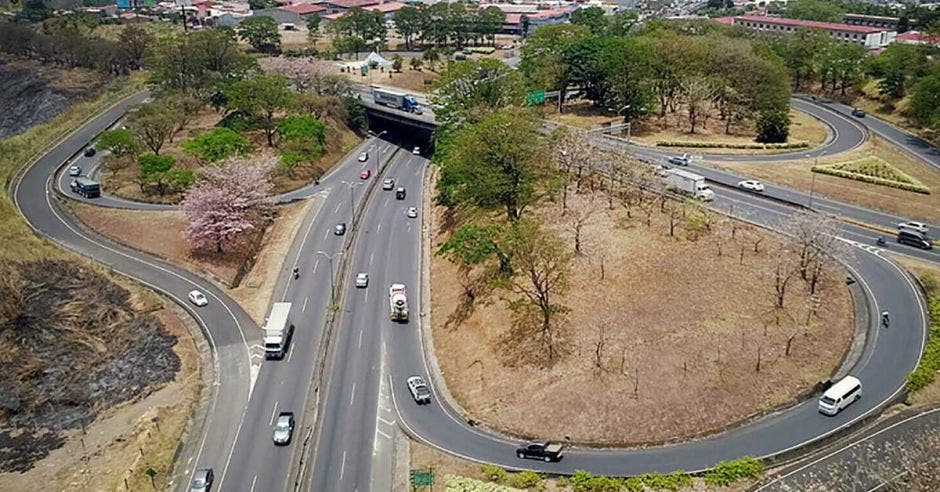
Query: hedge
x=873, y=170
x=929, y=364
x=732, y=145
x=453, y=483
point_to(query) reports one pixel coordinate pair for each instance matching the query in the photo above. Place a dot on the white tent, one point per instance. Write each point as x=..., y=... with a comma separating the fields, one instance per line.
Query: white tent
x=373, y=57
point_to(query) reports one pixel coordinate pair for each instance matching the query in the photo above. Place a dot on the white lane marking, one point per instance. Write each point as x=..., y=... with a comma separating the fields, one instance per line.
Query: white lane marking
x=386, y=202
x=273, y=413
x=326, y=236
x=316, y=264
x=847, y=447
x=304, y=307
x=367, y=296
x=352, y=395
x=378, y=227
x=338, y=205
x=290, y=352
x=387, y=422
x=379, y=431
x=360, y=338
x=253, y=481
x=371, y=258
x=342, y=467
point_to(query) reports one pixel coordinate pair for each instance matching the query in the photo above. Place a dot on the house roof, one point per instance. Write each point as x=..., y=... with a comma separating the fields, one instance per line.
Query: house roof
x=304, y=8
x=916, y=37
x=513, y=19
x=829, y=26
x=387, y=7
x=724, y=20
x=333, y=16
x=547, y=14
x=349, y=4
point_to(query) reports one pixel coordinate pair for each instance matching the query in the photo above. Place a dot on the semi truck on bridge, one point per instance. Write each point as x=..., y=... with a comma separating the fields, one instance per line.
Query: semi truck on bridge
x=397, y=100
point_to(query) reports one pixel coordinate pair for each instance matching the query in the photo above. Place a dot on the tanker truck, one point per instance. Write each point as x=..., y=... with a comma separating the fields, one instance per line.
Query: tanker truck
x=398, y=303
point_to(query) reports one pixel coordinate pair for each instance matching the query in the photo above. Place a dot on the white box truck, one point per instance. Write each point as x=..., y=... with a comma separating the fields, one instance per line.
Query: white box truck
x=278, y=331
x=689, y=184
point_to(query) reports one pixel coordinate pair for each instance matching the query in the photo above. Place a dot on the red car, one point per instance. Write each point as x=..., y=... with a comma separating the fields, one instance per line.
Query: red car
x=365, y=174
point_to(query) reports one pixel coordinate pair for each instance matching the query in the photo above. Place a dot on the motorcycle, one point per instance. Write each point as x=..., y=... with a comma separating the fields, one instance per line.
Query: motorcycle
x=880, y=241
x=884, y=319
x=296, y=273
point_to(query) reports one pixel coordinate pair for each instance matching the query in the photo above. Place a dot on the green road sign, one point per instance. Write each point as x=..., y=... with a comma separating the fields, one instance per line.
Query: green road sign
x=536, y=97
x=420, y=478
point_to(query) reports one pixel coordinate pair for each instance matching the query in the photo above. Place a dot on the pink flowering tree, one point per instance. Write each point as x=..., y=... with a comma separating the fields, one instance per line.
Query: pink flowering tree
x=228, y=202
x=308, y=74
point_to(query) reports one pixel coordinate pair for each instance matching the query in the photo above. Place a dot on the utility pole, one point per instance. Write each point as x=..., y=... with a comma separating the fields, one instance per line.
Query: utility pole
x=352, y=201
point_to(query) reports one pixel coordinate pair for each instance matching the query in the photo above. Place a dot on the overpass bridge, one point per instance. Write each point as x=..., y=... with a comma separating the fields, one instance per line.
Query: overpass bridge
x=423, y=122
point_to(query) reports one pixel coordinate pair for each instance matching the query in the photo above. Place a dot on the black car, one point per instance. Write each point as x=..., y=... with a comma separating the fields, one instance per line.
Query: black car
x=545, y=451
x=400, y=194
x=89, y=151
x=858, y=113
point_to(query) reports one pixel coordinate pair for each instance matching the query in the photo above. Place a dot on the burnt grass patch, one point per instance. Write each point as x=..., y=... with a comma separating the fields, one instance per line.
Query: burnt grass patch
x=72, y=344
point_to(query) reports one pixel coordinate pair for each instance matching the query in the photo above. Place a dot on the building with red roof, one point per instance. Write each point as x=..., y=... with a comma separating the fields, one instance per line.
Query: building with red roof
x=917, y=37
x=869, y=37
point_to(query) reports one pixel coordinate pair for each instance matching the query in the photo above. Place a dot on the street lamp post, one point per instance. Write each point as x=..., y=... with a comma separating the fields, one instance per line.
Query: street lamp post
x=378, y=157
x=629, y=123
x=812, y=186
x=352, y=201
x=332, y=281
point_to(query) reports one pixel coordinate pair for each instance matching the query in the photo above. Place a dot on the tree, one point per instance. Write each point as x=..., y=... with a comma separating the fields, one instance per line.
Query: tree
x=622, y=22
x=591, y=17
x=489, y=21
x=153, y=171
x=263, y=97
x=313, y=28
x=497, y=163
x=114, y=163
x=773, y=126
x=135, y=41
x=261, y=33
x=217, y=144
x=228, y=202
x=119, y=143
x=358, y=29
x=415, y=64
x=815, y=10
x=183, y=106
x=153, y=124
x=396, y=63
x=544, y=62
x=542, y=267
x=473, y=244
x=924, y=106
x=409, y=21
x=301, y=140
x=469, y=89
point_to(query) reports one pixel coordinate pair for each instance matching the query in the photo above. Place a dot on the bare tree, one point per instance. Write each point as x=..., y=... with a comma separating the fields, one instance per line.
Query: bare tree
x=573, y=152
x=697, y=93
x=577, y=219
x=784, y=270
x=542, y=264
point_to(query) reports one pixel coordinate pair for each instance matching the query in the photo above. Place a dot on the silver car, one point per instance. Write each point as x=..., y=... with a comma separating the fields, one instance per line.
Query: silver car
x=284, y=428
x=419, y=390
x=202, y=480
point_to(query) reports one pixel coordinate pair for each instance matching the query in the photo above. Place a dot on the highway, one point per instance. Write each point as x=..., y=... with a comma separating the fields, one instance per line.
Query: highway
x=373, y=356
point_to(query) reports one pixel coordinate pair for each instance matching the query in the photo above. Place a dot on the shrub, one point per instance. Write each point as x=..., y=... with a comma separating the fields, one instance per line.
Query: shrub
x=216, y=145
x=773, y=126
x=453, y=483
x=524, y=480
x=674, y=481
x=728, y=472
x=929, y=364
x=583, y=481
x=494, y=473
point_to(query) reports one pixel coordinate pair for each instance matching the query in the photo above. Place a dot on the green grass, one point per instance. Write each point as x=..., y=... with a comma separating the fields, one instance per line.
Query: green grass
x=873, y=170
x=17, y=240
x=731, y=145
x=929, y=364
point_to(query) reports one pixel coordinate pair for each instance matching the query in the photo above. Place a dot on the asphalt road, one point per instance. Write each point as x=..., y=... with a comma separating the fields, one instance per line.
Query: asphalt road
x=352, y=403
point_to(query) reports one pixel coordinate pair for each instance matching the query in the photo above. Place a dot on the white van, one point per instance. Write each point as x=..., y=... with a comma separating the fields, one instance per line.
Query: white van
x=840, y=395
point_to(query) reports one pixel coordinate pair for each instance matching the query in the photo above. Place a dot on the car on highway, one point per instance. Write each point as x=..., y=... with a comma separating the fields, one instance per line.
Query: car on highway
x=202, y=480
x=546, y=451
x=89, y=151
x=362, y=280
x=858, y=113
x=913, y=226
x=419, y=390
x=751, y=185
x=388, y=184
x=679, y=160
x=412, y=212
x=198, y=298
x=75, y=171
x=340, y=229
x=364, y=156
x=400, y=193
x=416, y=150
x=915, y=239
x=365, y=174
x=284, y=428
x=840, y=395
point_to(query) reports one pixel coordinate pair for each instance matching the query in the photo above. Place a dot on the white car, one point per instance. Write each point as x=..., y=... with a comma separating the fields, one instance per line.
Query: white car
x=419, y=390
x=198, y=298
x=75, y=171
x=388, y=184
x=416, y=150
x=751, y=185
x=914, y=226
x=412, y=213
x=363, y=157
x=362, y=280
